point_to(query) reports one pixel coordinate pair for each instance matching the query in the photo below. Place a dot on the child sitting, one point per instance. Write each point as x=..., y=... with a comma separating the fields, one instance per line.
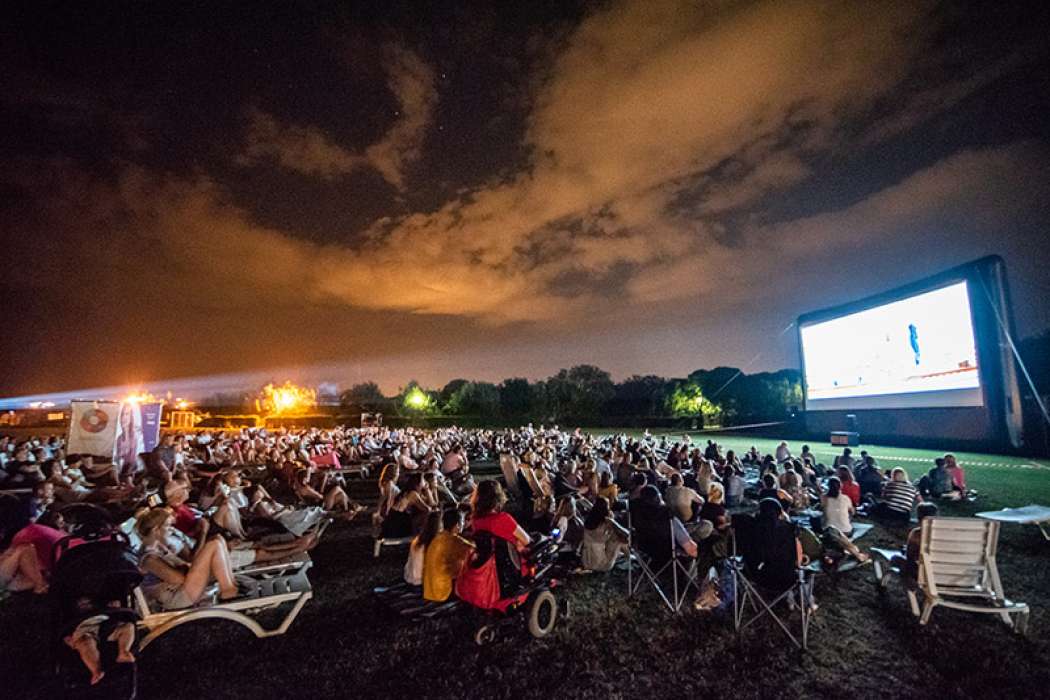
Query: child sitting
x=444, y=557
x=85, y=638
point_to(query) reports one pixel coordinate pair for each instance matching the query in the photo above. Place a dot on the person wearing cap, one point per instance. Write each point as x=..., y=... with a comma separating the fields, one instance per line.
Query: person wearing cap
x=185, y=518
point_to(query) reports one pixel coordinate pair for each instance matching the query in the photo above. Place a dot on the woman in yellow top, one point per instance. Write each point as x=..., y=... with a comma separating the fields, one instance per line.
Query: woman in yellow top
x=607, y=489
x=444, y=557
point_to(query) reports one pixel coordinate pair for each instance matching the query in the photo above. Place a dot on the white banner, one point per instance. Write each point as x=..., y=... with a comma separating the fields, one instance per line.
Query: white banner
x=93, y=427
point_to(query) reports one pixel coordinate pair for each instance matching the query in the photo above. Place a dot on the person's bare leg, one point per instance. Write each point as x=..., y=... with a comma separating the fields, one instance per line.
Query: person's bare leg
x=212, y=562
x=87, y=648
x=24, y=568
x=124, y=636
x=336, y=500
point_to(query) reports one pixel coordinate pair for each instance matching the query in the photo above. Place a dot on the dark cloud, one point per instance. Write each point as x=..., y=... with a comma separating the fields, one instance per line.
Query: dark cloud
x=674, y=182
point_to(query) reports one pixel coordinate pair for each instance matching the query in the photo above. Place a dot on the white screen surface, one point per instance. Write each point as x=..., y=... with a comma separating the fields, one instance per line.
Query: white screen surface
x=917, y=352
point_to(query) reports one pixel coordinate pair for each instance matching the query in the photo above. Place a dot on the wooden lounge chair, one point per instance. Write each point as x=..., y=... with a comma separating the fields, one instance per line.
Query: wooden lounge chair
x=957, y=569
x=274, y=584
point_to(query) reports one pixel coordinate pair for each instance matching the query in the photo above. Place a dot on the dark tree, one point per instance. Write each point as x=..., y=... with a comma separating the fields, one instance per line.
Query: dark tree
x=365, y=395
x=515, y=397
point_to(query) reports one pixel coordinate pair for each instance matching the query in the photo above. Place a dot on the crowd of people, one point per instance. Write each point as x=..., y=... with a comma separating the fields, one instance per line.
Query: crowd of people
x=200, y=506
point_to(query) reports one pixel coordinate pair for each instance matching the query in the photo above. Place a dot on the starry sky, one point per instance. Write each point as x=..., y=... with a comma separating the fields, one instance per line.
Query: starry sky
x=394, y=190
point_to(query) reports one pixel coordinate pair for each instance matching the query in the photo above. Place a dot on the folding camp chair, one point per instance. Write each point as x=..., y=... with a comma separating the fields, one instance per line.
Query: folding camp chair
x=765, y=575
x=957, y=569
x=657, y=556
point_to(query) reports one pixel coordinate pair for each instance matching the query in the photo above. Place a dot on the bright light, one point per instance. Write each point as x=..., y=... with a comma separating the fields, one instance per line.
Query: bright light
x=182, y=404
x=141, y=397
x=287, y=398
x=417, y=399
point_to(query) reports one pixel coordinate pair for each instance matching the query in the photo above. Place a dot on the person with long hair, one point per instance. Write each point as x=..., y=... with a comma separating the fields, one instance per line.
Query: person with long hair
x=568, y=524
x=171, y=581
x=478, y=582
x=604, y=540
x=838, y=525
x=850, y=487
x=408, y=511
x=417, y=549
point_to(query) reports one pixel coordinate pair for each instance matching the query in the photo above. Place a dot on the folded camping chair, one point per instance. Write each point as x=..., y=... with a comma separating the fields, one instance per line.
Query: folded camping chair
x=957, y=569
x=765, y=574
x=652, y=547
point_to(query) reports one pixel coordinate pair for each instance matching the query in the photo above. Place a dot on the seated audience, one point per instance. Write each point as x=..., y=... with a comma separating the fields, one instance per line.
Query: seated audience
x=444, y=557
x=604, y=540
x=838, y=523
x=414, y=567
x=898, y=498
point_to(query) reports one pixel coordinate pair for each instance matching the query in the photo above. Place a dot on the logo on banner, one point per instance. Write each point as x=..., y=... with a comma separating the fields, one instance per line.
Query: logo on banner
x=94, y=421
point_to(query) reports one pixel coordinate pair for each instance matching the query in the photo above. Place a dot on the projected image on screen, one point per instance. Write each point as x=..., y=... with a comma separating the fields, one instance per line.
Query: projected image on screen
x=915, y=352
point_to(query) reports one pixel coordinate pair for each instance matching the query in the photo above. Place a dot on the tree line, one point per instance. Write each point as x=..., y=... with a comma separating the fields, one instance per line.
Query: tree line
x=586, y=394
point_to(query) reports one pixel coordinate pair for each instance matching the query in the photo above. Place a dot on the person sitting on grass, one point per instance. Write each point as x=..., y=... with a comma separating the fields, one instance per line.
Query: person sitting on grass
x=444, y=557
x=849, y=485
x=838, y=524
x=937, y=482
x=769, y=489
x=898, y=498
x=869, y=478
x=568, y=523
x=797, y=491
x=414, y=567
x=604, y=540
x=956, y=471
x=733, y=485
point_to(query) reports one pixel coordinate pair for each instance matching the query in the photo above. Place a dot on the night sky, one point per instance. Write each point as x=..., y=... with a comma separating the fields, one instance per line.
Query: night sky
x=395, y=190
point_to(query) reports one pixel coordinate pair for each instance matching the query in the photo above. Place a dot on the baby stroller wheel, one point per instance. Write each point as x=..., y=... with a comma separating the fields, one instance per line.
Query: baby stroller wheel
x=543, y=614
x=486, y=634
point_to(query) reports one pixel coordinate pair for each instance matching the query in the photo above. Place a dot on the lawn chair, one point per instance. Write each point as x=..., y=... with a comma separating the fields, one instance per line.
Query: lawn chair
x=957, y=569
x=652, y=547
x=765, y=574
x=273, y=585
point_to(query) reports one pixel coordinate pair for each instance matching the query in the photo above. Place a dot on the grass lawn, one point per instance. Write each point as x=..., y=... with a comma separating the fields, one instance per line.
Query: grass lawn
x=862, y=644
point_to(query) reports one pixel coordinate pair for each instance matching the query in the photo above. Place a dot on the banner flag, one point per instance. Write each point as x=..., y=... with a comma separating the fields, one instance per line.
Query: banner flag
x=93, y=427
x=128, y=443
x=151, y=425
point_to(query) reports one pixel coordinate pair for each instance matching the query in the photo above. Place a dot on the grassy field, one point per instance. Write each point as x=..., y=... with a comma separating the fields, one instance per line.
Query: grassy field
x=862, y=644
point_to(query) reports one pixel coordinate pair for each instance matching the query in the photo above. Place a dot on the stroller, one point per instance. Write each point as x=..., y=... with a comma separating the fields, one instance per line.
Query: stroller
x=92, y=583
